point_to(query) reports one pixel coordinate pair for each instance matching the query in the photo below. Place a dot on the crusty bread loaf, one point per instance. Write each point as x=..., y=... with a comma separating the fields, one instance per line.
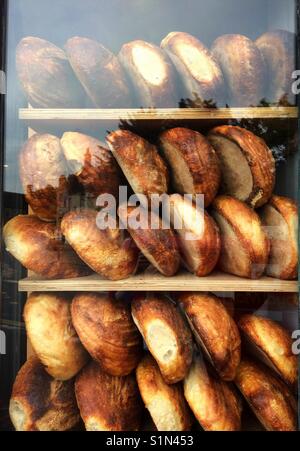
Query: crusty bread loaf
x=44, y=176
x=279, y=51
x=269, y=398
x=280, y=219
x=110, y=253
x=247, y=164
x=198, y=236
x=46, y=75
x=200, y=73
x=245, y=246
x=273, y=343
x=52, y=335
x=140, y=162
x=166, y=404
x=166, y=334
x=157, y=242
x=108, y=403
x=106, y=329
x=151, y=74
x=243, y=67
x=214, y=402
x=40, y=403
x=39, y=247
x=215, y=331
x=194, y=163
x=92, y=163
x=99, y=72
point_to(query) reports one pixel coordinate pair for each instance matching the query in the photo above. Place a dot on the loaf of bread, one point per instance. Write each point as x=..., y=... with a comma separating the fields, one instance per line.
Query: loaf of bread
x=269, y=398
x=200, y=73
x=108, y=403
x=194, y=163
x=214, y=402
x=92, y=163
x=41, y=403
x=110, y=253
x=151, y=74
x=247, y=164
x=279, y=51
x=46, y=76
x=52, y=335
x=215, y=331
x=140, y=162
x=106, y=329
x=280, y=219
x=243, y=67
x=245, y=246
x=166, y=404
x=157, y=242
x=166, y=334
x=44, y=176
x=273, y=343
x=39, y=247
x=198, y=236
x=99, y=72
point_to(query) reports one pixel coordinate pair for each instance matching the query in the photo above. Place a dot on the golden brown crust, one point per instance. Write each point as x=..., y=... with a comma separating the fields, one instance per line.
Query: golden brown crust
x=214, y=402
x=250, y=255
x=108, y=403
x=92, y=163
x=159, y=245
x=99, y=72
x=283, y=263
x=234, y=53
x=279, y=51
x=106, y=329
x=109, y=253
x=44, y=176
x=274, y=341
x=140, y=162
x=268, y=397
x=40, y=403
x=151, y=74
x=39, y=247
x=52, y=335
x=199, y=71
x=200, y=159
x=166, y=334
x=46, y=76
x=166, y=403
x=215, y=331
x=259, y=158
x=198, y=237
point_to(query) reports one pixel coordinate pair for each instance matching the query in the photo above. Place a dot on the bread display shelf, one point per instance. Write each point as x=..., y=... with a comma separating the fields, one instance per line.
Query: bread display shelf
x=155, y=282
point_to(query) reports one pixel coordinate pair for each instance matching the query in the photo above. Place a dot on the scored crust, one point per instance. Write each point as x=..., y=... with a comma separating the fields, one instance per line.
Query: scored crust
x=274, y=341
x=248, y=166
x=215, y=331
x=194, y=163
x=280, y=219
x=166, y=403
x=166, y=334
x=245, y=246
x=269, y=398
x=106, y=329
x=214, y=402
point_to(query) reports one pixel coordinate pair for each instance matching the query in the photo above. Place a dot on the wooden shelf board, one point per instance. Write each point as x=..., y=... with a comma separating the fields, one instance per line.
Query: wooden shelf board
x=35, y=114
x=156, y=282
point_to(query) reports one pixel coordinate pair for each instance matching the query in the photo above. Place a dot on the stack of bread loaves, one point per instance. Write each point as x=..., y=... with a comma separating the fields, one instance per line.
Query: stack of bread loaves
x=181, y=72
x=89, y=364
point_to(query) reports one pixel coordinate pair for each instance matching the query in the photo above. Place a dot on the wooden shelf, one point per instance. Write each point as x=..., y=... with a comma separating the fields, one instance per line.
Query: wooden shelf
x=72, y=119
x=156, y=282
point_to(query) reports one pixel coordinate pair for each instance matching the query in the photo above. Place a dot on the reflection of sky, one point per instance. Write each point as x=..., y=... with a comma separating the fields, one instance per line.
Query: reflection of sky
x=115, y=22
